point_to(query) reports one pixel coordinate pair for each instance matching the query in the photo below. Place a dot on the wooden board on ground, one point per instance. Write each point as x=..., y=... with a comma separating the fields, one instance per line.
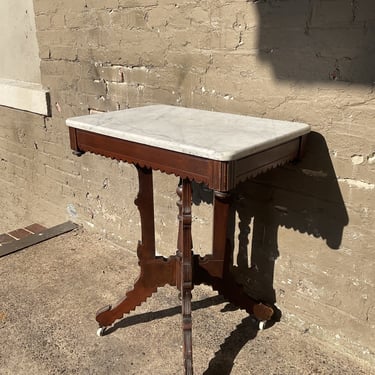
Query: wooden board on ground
x=36, y=238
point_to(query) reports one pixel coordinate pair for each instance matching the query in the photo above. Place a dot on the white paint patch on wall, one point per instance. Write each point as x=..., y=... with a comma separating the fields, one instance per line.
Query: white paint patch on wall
x=20, y=58
x=357, y=159
x=371, y=158
x=357, y=183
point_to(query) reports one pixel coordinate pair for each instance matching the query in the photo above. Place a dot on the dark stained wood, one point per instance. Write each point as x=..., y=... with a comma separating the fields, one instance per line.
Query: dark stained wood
x=214, y=269
x=19, y=233
x=214, y=263
x=250, y=166
x=35, y=228
x=302, y=147
x=145, y=204
x=184, y=269
x=74, y=142
x=217, y=175
x=186, y=273
x=5, y=238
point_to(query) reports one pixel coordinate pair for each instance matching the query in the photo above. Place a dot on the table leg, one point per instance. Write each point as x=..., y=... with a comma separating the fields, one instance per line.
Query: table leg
x=155, y=271
x=185, y=252
x=214, y=269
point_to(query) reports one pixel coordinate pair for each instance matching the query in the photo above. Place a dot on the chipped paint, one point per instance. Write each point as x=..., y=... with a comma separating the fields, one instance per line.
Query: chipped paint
x=357, y=183
x=357, y=159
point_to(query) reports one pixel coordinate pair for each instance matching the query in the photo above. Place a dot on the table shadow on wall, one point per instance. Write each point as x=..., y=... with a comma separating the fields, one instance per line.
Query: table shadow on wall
x=318, y=40
x=303, y=197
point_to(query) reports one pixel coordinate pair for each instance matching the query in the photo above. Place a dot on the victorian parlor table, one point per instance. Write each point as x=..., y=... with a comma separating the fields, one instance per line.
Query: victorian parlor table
x=217, y=149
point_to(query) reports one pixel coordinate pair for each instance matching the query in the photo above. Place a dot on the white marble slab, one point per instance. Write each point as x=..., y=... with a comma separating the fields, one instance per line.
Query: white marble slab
x=212, y=135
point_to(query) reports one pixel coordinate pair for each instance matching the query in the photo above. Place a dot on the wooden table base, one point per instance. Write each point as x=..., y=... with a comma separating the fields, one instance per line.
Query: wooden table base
x=183, y=270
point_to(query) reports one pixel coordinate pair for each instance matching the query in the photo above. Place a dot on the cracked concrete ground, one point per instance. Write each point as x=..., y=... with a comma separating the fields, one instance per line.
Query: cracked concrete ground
x=50, y=292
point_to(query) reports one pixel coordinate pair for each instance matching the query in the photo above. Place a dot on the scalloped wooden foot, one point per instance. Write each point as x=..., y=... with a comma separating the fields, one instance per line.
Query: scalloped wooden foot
x=155, y=273
x=207, y=272
x=107, y=315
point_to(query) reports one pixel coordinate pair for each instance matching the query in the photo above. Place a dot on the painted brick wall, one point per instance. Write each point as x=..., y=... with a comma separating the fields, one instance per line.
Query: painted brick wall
x=303, y=233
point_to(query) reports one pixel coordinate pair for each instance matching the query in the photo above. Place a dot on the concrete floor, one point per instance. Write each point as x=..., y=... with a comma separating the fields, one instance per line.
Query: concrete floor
x=50, y=292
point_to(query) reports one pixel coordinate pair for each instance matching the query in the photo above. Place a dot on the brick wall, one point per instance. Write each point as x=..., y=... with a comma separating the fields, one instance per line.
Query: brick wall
x=310, y=227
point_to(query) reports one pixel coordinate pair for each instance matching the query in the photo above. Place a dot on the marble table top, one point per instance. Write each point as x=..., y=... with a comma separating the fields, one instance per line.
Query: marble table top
x=212, y=135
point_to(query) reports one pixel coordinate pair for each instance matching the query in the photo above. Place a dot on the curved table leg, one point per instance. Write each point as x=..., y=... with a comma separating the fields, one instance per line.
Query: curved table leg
x=154, y=274
x=155, y=271
x=232, y=291
x=214, y=269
